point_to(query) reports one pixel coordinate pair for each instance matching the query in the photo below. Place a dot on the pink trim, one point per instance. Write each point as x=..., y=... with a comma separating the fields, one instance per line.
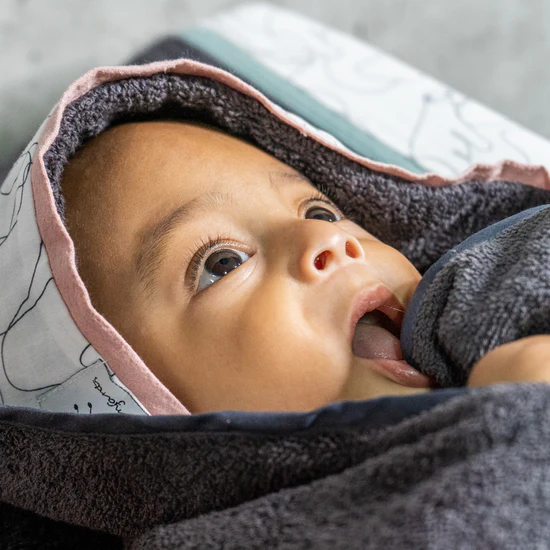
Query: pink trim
x=126, y=364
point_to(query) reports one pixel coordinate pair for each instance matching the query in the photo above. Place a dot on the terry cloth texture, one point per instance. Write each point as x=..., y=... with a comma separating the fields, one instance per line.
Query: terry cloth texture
x=470, y=472
x=492, y=289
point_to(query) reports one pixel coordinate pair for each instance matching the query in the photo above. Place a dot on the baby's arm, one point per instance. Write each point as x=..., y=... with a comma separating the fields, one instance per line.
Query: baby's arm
x=524, y=360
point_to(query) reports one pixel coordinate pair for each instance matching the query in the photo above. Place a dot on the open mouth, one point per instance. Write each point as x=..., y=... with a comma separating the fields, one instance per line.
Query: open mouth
x=376, y=322
x=376, y=306
x=377, y=337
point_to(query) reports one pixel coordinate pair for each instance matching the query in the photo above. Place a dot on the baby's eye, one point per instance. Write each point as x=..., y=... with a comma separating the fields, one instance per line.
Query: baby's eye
x=319, y=216
x=218, y=264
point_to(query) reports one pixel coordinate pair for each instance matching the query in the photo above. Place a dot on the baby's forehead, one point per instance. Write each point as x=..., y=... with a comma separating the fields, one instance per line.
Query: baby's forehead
x=193, y=146
x=129, y=138
x=141, y=156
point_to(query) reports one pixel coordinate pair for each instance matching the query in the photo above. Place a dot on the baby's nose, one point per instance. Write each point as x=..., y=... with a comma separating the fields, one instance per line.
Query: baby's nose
x=325, y=256
x=327, y=248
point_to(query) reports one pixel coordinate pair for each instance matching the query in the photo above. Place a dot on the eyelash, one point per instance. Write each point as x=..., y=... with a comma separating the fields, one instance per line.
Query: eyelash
x=203, y=247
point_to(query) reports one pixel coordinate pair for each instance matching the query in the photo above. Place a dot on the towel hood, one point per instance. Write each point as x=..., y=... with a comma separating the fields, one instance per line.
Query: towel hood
x=58, y=353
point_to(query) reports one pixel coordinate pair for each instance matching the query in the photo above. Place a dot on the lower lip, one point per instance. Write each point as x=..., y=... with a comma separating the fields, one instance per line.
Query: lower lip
x=400, y=372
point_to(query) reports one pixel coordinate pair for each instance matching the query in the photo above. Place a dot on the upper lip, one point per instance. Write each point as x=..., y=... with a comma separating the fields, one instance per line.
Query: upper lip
x=379, y=298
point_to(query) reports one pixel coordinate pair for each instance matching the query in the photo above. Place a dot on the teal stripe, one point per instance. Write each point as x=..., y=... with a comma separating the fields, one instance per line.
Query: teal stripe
x=295, y=99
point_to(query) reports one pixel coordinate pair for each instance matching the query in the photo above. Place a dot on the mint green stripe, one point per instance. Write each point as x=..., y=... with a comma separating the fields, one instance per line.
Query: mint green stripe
x=295, y=99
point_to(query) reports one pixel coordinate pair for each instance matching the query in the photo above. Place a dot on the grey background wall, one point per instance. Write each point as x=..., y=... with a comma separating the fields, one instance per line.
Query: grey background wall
x=496, y=51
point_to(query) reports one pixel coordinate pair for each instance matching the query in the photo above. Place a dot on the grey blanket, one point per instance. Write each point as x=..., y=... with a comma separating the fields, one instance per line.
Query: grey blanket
x=452, y=469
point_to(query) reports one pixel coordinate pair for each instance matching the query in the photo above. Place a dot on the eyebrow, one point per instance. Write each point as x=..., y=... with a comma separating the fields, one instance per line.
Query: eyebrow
x=153, y=240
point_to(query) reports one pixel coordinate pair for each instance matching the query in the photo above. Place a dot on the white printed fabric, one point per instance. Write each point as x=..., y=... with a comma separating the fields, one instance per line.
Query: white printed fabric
x=45, y=360
x=440, y=128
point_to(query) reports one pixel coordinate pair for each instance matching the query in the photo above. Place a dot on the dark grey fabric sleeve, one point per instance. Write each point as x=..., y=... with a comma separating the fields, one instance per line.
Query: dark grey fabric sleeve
x=492, y=289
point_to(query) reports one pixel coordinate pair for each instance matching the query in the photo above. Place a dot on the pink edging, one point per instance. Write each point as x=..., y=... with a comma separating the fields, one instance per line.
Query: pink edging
x=122, y=359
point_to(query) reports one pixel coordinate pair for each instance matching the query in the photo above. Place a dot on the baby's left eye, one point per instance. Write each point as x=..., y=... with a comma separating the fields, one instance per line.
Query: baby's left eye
x=319, y=216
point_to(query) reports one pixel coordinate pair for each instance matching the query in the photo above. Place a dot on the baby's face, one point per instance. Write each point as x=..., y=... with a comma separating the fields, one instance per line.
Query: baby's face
x=257, y=321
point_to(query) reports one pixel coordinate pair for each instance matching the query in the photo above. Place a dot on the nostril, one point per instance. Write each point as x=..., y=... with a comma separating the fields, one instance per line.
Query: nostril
x=320, y=261
x=351, y=250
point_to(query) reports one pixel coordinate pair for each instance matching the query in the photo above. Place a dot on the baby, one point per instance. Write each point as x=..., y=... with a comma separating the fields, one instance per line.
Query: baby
x=233, y=277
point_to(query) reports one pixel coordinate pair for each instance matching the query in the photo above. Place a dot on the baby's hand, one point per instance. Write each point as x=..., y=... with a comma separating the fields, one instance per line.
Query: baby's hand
x=524, y=360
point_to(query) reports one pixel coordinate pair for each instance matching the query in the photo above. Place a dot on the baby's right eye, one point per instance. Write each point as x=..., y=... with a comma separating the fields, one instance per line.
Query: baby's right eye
x=219, y=264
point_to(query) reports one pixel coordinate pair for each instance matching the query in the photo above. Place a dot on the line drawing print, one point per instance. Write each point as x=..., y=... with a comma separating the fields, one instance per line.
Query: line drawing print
x=23, y=309
x=438, y=128
x=90, y=358
x=35, y=355
x=18, y=199
x=466, y=145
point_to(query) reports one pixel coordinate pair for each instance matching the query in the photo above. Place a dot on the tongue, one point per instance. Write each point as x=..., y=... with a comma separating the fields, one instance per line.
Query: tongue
x=374, y=342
